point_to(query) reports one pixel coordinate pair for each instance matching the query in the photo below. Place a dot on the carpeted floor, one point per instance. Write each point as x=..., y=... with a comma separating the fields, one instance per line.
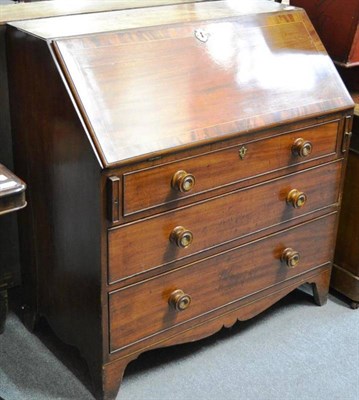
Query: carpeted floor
x=294, y=351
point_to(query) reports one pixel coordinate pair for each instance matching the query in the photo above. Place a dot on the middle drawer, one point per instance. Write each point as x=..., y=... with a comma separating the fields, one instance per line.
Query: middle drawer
x=153, y=242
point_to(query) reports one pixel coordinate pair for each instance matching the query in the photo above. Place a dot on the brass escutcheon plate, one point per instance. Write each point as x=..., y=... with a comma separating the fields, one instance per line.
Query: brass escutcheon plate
x=242, y=152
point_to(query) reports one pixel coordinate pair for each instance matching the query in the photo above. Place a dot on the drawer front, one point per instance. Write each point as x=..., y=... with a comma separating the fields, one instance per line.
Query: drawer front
x=216, y=281
x=156, y=186
x=147, y=244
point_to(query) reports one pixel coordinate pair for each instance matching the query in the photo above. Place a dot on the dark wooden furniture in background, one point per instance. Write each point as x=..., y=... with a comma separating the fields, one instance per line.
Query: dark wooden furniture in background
x=12, y=198
x=337, y=24
x=165, y=202
x=9, y=246
x=345, y=277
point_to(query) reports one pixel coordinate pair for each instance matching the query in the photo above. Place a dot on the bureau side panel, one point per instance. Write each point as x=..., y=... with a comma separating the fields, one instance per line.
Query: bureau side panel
x=61, y=228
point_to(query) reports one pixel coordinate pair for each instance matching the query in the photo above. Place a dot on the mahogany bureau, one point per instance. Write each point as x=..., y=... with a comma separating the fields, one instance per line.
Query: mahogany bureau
x=185, y=168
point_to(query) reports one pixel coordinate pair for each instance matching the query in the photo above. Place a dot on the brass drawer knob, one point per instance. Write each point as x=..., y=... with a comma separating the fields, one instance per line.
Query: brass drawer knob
x=302, y=148
x=182, y=237
x=179, y=300
x=296, y=198
x=182, y=181
x=290, y=257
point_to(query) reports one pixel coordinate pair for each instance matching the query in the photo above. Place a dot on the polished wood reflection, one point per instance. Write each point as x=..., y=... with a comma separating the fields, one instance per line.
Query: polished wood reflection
x=225, y=166
x=135, y=17
x=164, y=100
x=248, y=214
x=212, y=287
x=206, y=96
x=23, y=11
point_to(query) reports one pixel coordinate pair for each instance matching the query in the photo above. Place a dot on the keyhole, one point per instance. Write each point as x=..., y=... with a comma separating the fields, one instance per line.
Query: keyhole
x=201, y=35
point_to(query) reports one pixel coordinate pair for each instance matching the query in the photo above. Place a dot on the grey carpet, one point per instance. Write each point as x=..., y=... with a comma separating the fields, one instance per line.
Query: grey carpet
x=295, y=350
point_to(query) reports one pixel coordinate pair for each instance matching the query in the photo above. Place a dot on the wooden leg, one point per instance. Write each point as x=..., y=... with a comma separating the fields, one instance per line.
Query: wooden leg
x=320, y=286
x=112, y=375
x=112, y=378
x=3, y=309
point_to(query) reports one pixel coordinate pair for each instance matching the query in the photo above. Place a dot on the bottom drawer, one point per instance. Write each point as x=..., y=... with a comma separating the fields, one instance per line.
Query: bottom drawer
x=149, y=307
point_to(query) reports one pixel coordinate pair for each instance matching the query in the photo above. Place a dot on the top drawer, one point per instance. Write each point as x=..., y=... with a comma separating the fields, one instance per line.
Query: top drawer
x=155, y=186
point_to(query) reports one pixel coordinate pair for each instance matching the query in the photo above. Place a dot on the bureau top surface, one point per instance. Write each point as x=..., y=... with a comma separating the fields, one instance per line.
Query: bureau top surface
x=173, y=77
x=45, y=9
x=142, y=13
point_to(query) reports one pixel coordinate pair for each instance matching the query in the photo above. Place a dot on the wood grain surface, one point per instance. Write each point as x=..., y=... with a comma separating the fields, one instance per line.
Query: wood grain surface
x=146, y=304
x=183, y=92
x=199, y=78
x=53, y=8
x=61, y=272
x=179, y=12
x=144, y=245
x=151, y=187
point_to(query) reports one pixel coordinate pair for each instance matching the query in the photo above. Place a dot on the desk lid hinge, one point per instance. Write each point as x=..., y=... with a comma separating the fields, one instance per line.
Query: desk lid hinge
x=113, y=195
x=348, y=124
